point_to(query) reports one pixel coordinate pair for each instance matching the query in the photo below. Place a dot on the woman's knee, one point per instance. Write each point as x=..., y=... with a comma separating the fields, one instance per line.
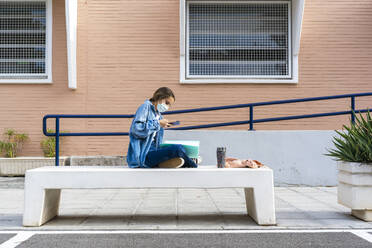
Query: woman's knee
x=178, y=148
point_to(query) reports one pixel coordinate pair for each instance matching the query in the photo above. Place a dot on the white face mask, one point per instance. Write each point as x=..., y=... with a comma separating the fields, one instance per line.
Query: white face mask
x=162, y=107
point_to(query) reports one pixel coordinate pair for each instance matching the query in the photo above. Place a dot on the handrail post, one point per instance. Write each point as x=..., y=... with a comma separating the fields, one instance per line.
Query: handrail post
x=57, y=142
x=353, y=109
x=251, y=118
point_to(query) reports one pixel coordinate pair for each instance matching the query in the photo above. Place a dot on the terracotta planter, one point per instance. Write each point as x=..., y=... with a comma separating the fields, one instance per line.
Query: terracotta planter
x=18, y=166
x=355, y=188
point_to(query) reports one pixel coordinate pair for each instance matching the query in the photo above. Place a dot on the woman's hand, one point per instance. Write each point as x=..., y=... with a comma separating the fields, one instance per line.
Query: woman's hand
x=164, y=123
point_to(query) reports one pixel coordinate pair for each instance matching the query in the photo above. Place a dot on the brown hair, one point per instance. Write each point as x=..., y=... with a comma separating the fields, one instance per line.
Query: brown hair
x=162, y=93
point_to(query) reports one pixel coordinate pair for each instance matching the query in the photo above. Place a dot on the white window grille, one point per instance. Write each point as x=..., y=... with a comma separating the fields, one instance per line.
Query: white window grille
x=238, y=39
x=25, y=40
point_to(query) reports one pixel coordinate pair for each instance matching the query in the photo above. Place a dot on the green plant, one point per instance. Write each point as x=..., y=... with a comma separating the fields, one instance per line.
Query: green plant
x=48, y=144
x=13, y=143
x=355, y=145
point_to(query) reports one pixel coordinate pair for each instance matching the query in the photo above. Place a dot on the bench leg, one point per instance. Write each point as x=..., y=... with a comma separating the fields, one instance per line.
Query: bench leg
x=40, y=206
x=260, y=204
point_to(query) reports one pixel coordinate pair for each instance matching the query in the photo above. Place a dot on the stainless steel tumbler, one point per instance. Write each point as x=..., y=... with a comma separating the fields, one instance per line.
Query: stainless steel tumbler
x=221, y=154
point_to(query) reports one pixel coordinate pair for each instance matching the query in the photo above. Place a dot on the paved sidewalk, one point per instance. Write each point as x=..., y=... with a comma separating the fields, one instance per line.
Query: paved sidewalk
x=179, y=209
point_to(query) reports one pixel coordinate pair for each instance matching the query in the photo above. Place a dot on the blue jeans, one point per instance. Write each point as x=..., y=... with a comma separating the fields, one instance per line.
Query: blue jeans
x=154, y=157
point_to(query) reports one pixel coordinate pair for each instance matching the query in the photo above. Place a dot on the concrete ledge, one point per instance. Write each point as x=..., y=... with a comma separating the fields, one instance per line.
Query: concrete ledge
x=18, y=166
x=99, y=160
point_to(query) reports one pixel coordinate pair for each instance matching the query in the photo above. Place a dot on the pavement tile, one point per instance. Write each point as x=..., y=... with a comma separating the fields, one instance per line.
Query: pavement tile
x=200, y=221
x=346, y=223
x=111, y=220
x=151, y=219
x=291, y=215
x=10, y=220
x=329, y=215
x=64, y=221
x=296, y=207
x=299, y=223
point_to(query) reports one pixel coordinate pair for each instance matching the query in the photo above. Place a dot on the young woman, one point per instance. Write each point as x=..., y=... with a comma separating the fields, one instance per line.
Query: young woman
x=146, y=134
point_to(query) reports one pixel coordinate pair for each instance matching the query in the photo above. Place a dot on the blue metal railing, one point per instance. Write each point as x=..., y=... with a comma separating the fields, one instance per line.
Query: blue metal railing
x=251, y=120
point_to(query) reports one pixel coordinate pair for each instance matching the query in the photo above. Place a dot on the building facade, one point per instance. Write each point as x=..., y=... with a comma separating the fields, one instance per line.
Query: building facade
x=107, y=57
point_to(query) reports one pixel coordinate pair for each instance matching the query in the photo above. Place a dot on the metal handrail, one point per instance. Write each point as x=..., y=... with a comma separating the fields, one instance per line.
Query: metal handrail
x=251, y=120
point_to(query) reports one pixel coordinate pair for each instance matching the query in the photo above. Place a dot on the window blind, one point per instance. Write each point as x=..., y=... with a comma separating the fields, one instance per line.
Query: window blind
x=23, y=43
x=237, y=39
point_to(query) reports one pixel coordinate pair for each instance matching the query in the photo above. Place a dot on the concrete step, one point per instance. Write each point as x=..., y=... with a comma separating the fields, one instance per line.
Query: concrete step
x=99, y=160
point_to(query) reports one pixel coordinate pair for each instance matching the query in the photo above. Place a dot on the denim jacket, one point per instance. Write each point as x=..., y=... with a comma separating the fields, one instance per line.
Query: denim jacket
x=142, y=131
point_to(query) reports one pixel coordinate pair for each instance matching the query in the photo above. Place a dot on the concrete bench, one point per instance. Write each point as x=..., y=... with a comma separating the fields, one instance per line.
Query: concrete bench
x=43, y=186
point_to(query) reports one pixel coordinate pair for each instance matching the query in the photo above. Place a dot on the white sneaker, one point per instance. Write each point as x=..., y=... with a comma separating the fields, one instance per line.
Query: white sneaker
x=172, y=163
x=197, y=160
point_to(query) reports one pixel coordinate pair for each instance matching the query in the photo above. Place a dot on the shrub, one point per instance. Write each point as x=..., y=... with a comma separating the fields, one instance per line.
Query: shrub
x=48, y=144
x=12, y=143
x=355, y=145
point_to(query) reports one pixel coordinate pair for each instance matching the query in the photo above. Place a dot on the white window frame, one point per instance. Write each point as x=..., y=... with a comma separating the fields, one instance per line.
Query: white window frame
x=293, y=55
x=48, y=54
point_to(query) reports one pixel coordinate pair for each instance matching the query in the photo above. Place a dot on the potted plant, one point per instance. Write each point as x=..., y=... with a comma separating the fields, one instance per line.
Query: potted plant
x=10, y=164
x=353, y=153
x=48, y=144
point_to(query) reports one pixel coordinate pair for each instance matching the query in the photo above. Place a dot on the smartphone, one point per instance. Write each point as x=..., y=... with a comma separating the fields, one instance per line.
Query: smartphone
x=174, y=123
